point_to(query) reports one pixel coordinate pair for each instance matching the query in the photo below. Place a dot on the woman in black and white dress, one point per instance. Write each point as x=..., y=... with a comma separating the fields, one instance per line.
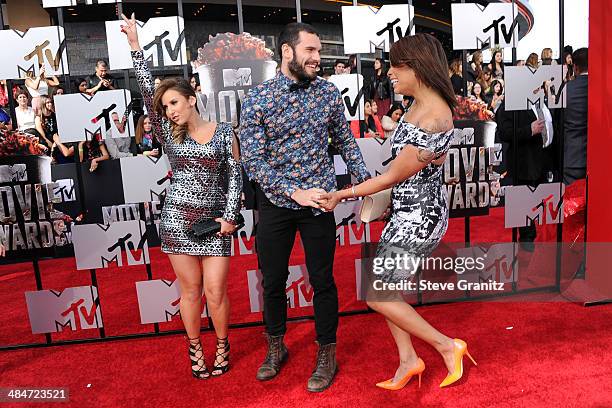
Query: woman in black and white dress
x=206, y=184
x=419, y=200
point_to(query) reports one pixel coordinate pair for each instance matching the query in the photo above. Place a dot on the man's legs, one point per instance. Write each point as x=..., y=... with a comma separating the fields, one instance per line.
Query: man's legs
x=318, y=234
x=274, y=240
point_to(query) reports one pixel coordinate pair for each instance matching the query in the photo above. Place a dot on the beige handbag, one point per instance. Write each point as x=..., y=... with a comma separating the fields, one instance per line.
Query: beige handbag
x=375, y=205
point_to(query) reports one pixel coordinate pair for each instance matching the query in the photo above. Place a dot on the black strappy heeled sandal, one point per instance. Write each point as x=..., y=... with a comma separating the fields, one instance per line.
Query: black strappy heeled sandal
x=198, y=364
x=223, y=349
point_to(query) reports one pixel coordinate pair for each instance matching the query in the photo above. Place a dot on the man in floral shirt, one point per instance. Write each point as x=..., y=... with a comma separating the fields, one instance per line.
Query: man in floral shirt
x=286, y=123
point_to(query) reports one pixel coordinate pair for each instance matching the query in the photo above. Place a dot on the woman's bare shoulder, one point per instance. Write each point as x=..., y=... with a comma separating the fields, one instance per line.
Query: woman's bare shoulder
x=438, y=120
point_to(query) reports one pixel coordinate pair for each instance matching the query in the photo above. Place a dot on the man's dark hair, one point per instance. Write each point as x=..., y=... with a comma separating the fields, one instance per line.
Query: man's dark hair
x=339, y=61
x=580, y=59
x=291, y=35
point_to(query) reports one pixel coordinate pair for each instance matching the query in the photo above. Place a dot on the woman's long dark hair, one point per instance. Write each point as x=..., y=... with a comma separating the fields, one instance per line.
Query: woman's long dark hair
x=424, y=54
x=493, y=63
x=383, y=68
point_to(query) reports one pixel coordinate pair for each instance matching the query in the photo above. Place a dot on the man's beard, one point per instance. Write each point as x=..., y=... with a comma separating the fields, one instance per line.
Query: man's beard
x=299, y=72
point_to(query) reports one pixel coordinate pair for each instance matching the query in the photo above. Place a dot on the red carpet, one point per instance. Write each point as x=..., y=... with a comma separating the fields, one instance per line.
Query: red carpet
x=556, y=355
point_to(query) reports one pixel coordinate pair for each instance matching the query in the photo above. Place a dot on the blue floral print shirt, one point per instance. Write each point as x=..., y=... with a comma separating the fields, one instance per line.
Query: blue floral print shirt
x=284, y=136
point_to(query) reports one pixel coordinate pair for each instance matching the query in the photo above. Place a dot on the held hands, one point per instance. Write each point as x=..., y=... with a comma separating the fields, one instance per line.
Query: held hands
x=330, y=200
x=226, y=227
x=130, y=31
x=537, y=127
x=309, y=198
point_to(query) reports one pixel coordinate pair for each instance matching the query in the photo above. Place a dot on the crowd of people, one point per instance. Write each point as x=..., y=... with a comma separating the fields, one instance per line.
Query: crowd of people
x=34, y=114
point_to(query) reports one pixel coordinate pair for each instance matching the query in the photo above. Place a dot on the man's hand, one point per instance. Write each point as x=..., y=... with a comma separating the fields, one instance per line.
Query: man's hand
x=309, y=198
x=537, y=127
x=330, y=201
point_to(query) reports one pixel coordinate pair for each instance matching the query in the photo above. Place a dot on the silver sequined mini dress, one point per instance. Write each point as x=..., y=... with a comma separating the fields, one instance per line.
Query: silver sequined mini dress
x=206, y=180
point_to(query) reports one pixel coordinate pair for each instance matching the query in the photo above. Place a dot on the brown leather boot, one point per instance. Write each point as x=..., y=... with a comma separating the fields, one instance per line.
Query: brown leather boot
x=277, y=354
x=323, y=375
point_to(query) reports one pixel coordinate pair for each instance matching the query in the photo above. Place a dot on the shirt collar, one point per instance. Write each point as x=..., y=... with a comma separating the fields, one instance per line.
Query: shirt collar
x=285, y=82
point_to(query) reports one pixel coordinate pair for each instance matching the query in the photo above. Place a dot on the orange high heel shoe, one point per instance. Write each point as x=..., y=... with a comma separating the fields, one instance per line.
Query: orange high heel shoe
x=460, y=351
x=418, y=370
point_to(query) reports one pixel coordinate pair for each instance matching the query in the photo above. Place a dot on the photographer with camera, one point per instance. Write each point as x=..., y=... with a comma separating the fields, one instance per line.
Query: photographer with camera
x=101, y=80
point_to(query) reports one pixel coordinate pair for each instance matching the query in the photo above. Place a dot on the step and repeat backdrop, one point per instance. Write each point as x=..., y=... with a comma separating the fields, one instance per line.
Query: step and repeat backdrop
x=110, y=217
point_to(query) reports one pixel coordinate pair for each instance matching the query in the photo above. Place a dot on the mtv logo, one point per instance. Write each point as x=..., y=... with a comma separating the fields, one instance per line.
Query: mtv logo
x=299, y=292
x=246, y=237
x=80, y=116
x=13, y=173
x=376, y=154
x=527, y=87
x=351, y=92
x=52, y=311
x=348, y=223
x=96, y=246
x=69, y=3
x=500, y=263
x=366, y=28
x=526, y=205
x=32, y=48
x=158, y=300
x=152, y=179
x=64, y=189
x=480, y=27
x=463, y=136
x=162, y=39
x=237, y=77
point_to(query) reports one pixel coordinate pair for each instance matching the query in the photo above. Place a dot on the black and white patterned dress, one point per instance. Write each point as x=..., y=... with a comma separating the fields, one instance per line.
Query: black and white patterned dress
x=419, y=216
x=206, y=180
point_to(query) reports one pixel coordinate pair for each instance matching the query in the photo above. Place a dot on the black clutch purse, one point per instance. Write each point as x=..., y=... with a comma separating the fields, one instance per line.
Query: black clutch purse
x=202, y=229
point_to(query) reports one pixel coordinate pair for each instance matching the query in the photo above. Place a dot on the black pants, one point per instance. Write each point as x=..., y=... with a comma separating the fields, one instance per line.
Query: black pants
x=276, y=232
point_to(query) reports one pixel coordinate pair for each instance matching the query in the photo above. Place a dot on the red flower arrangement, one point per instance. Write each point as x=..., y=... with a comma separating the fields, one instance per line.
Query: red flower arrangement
x=230, y=46
x=472, y=109
x=14, y=143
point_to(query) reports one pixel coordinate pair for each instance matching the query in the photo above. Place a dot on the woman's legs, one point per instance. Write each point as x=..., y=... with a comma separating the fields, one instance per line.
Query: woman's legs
x=407, y=319
x=407, y=356
x=215, y=289
x=216, y=269
x=188, y=270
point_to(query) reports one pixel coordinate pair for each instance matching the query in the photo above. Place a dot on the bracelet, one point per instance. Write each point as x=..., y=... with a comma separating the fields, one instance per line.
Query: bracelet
x=353, y=191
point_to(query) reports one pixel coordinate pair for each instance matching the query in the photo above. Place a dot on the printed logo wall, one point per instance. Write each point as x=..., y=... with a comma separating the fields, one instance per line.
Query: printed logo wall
x=29, y=225
x=31, y=49
x=352, y=94
x=479, y=27
x=468, y=169
x=526, y=205
x=228, y=66
x=51, y=311
x=528, y=88
x=158, y=300
x=366, y=28
x=162, y=40
x=82, y=117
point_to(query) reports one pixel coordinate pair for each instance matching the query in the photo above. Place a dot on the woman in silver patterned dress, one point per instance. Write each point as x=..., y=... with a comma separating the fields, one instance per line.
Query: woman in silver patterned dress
x=418, y=200
x=206, y=184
